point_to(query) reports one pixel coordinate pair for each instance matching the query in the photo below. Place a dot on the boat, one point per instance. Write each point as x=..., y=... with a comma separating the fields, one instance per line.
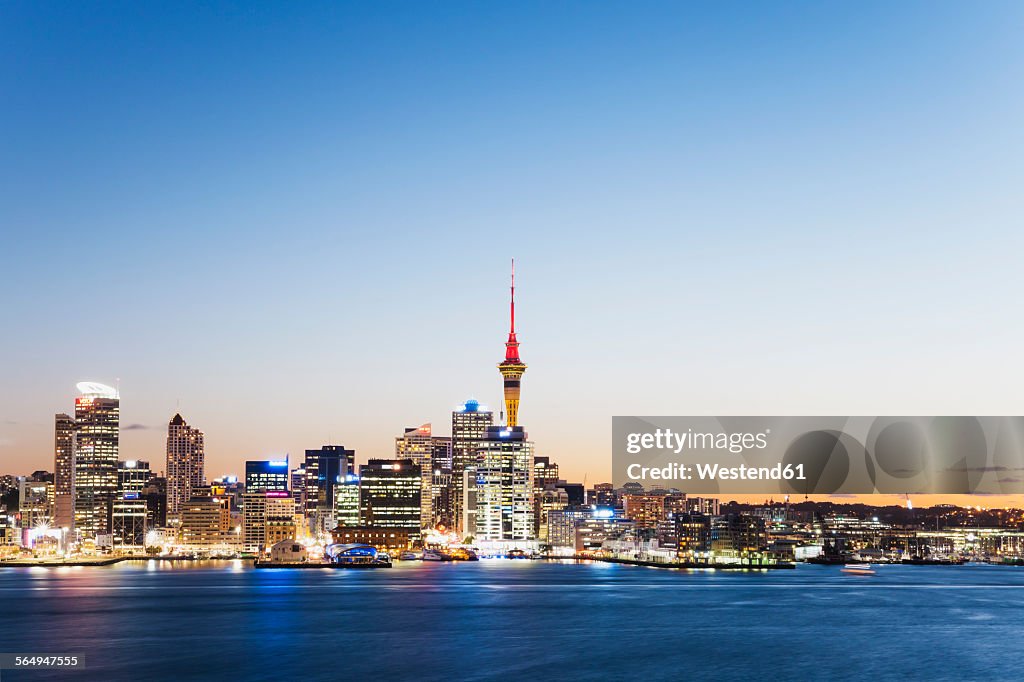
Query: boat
x=517, y=554
x=464, y=554
x=435, y=555
x=406, y=555
x=858, y=569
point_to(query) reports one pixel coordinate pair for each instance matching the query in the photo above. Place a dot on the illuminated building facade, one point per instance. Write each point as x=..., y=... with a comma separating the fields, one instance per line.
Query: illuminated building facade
x=469, y=426
x=647, y=510
x=390, y=493
x=547, y=501
x=441, y=502
x=132, y=476
x=504, y=485
x=383, y=539
x=268, y=517
x=63, y=471
x=562, y=523
x=346, y=501
x=206, y=523
x=186, y=459
x=417, y=444
x=266, y=475
x=35, y=502
x=325, y=468
x=128, y=522
x=97, y=427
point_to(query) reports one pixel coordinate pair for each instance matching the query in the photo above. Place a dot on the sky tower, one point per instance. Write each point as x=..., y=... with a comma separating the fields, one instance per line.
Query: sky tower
x=512, y=368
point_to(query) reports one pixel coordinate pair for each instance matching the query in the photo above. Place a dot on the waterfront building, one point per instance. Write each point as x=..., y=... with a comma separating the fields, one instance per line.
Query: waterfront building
x=561, y=532
x=63, y=471
x=417, y=444
x=186, y=461
x=97, y=429
x=469, y=426
x=128, y=522
x=346, y=501
x=504, y=485
x=288, y=552
x=382, y=539
x=206, y=524
x=325, y=469
x=35, y=501
x=738, y=536
x=592, y=533
x=390, y=495
x=155, y=495
x=547, y=501
x=268, y=517
x=692, y=535
x=266, y=475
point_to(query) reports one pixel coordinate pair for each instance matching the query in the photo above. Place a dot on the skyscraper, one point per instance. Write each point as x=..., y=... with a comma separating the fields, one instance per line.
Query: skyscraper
x=417, y=444
x=504, y=485
x=389, y=495
x=63, y=471
x=512, y=368
x=132, y=476
x=266, y=475
x=325, y=469
x=97, y=427
x=469, y=425
x=186, y=457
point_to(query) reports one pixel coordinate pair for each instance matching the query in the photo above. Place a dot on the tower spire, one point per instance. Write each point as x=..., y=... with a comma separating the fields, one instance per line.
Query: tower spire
x=512, y=368
x=512, y=302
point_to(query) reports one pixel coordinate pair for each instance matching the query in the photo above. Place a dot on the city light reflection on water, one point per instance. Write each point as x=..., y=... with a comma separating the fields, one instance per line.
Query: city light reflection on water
x=484, y=620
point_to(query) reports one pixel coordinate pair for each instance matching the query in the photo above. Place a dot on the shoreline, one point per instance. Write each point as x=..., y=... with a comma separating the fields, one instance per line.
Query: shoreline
x=688, y=566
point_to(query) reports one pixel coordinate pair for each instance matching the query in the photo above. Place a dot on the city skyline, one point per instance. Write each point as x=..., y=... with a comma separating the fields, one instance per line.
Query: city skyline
x=290, y=215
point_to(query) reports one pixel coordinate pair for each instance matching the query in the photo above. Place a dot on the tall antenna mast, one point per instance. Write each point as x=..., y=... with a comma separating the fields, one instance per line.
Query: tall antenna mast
x=512, y=301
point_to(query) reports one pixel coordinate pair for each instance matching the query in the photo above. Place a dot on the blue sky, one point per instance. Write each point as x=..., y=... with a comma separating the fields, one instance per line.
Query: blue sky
x=295, y=221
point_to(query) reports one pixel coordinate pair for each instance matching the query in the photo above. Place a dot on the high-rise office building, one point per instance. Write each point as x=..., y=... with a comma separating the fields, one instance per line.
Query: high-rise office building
x=186, y=459
x=128, y=522
x=390, y=493
x=441, y=490
x=63, y=471
x=298, y=486
x=35, y=501
x=267, y=518
x=441, y=452
x=97, y=422
x=133, y=475
x=346, y=501
x=266, y=475
x=325, y=469
x=206, y=523
x=512, y=368
x=504, y=485
x=417, y=444
x=469, y=426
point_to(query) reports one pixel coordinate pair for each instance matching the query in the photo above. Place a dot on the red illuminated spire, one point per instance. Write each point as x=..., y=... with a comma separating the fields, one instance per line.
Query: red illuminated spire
x=512, y=346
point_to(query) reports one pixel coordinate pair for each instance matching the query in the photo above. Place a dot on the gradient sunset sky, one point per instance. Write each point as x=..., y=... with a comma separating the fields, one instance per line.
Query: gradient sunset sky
x=293, y=222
